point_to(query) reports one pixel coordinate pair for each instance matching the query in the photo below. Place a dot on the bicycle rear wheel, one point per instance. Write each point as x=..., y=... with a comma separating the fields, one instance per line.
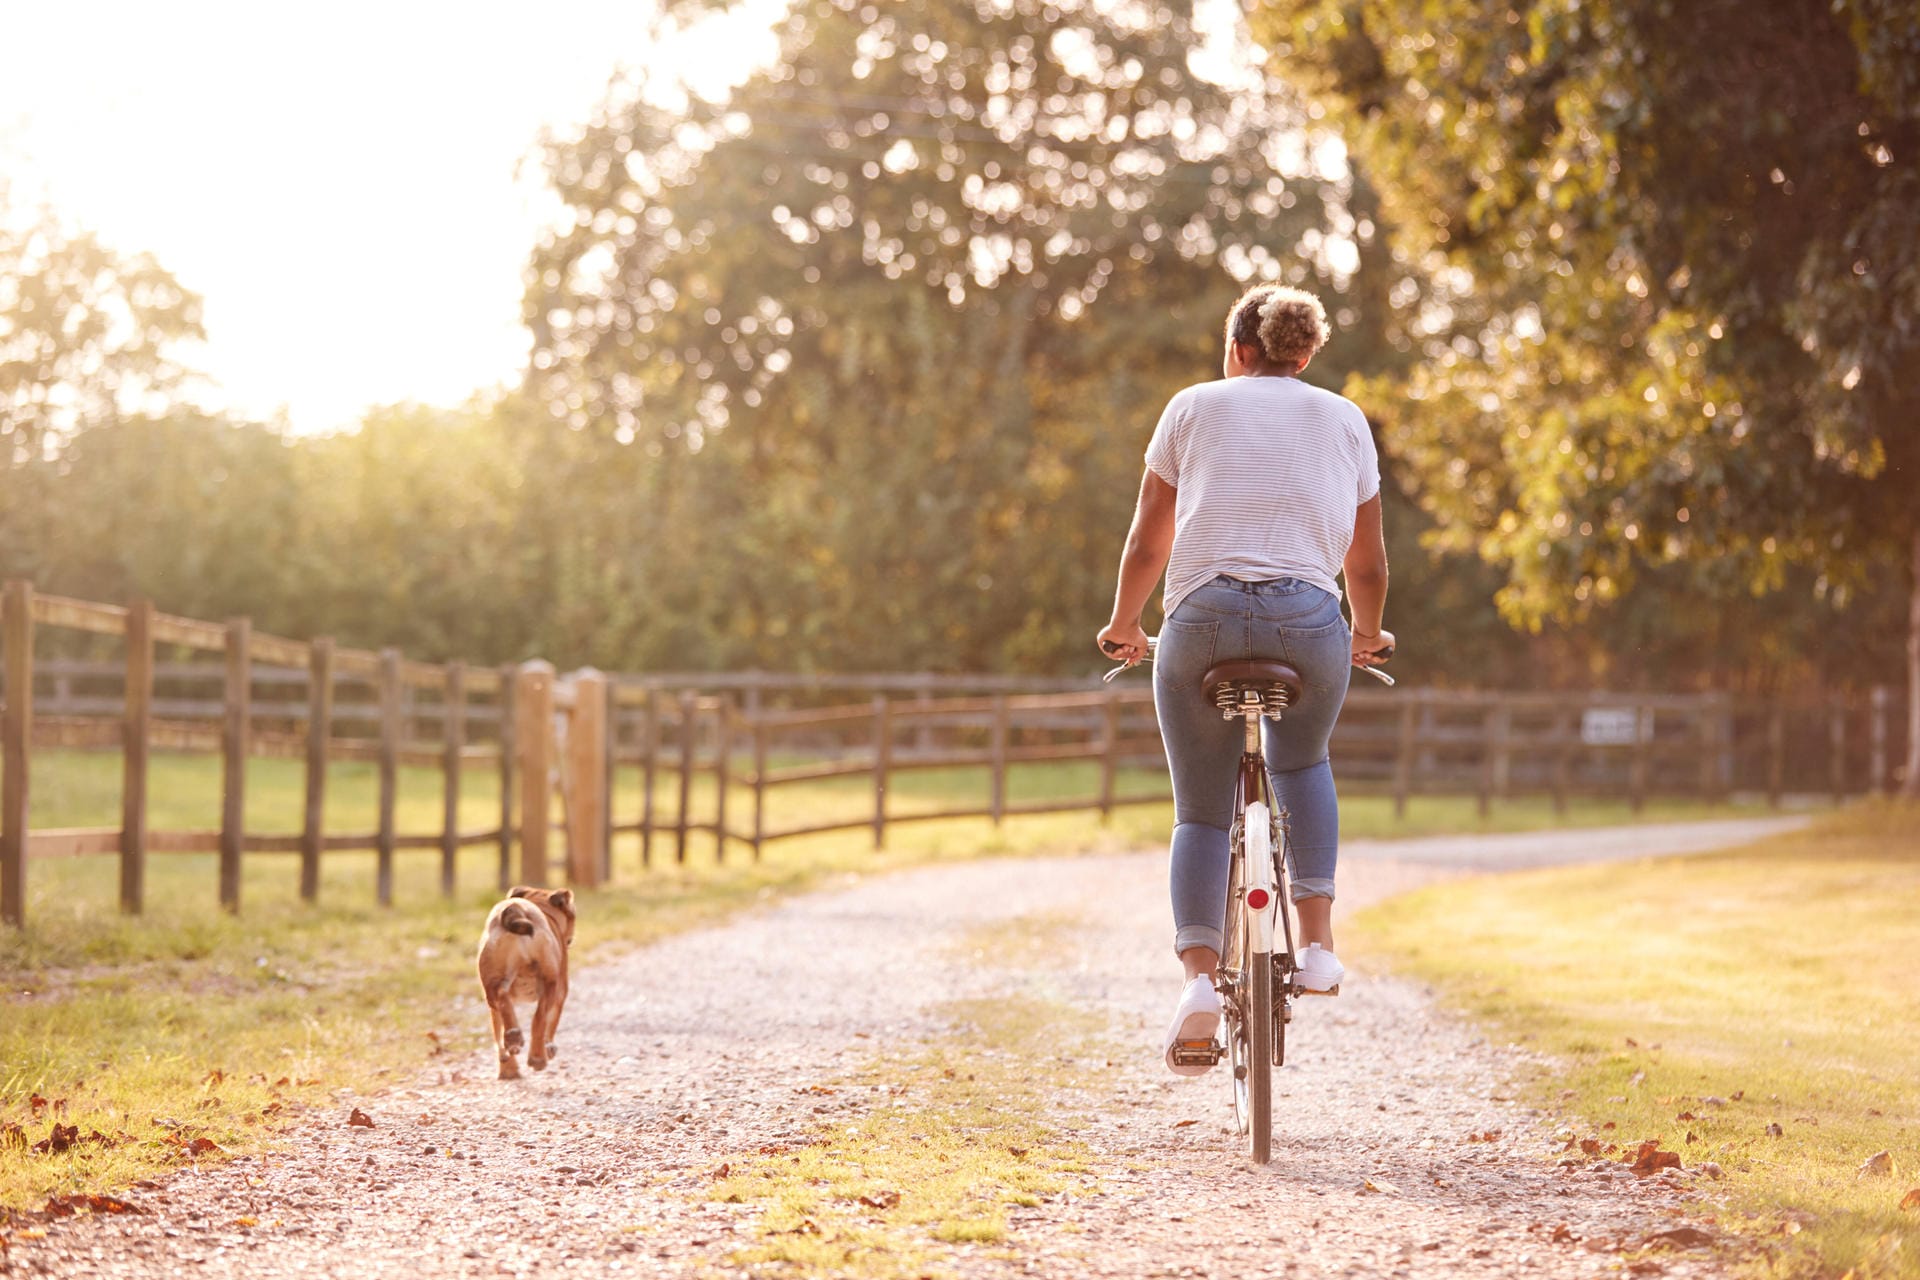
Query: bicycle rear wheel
x=1249, y=1023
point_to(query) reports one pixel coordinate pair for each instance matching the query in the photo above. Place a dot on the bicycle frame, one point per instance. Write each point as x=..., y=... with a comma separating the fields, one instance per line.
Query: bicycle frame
x=1262, y=835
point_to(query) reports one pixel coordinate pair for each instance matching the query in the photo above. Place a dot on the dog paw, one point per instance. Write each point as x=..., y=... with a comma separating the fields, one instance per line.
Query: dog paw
x=516, y=1040
x=552, y=1052
x=538, y=1064
x=509, y=1069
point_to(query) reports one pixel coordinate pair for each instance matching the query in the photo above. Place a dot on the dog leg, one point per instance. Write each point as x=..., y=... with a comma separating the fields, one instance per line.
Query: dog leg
x=542, y=1021
x=508, y=1036
x=553, y=1018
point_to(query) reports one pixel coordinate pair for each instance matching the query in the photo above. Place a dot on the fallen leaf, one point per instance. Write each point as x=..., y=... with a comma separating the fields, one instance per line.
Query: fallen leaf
x=1491, y=1135
x=358, y=1119
x=202, y=1146
x=59, y=1139
x=881, y=1200
x=1561, y=1234
x=434, y=1047
x=1609, y=1124
x=724, y=1171
x=1590, y=1145
x=1686, y=1115
x=1681, y=1237
x=1644, y=1267
x=1380, y=1186
x=1738, y=1094
x=1181, y=1124
x=1877, y=1165
x=1911, y=1200
x=12, y=1136
x=1775, y=1131
x=31, y=1233
x=214, y=1077
x=1632, y=1043
x=1650, y=1159
x=246, y=1222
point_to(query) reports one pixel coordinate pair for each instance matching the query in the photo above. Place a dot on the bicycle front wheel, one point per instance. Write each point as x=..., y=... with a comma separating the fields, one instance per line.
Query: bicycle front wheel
x=1258, y=1025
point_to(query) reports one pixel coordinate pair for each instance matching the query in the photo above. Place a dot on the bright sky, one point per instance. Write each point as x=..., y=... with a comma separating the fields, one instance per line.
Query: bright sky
x=343, y=184
x=338, y=182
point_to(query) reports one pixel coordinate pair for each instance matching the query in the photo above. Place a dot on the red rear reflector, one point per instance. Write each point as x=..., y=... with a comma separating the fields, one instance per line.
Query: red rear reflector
x=1258, y=899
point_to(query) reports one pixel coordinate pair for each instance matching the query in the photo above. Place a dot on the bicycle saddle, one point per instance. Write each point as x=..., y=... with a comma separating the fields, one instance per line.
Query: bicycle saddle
x=1239, y=683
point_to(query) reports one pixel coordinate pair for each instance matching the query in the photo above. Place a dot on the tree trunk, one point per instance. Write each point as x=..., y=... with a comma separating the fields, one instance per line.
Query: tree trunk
x=1910, y=786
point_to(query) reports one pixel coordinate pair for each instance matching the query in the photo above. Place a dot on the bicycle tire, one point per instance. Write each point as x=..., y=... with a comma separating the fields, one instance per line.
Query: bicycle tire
x=1259, y=1024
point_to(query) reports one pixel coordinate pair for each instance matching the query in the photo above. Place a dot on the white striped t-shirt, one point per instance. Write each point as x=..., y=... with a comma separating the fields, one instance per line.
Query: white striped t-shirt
x=1267, y=474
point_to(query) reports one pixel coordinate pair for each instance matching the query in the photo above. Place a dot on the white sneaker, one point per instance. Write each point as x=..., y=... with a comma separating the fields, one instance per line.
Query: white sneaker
x=1196, y=1017
x=1319, y=971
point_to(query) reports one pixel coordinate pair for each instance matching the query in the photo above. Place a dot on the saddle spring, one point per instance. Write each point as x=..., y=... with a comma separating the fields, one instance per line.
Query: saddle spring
x=1238, y=699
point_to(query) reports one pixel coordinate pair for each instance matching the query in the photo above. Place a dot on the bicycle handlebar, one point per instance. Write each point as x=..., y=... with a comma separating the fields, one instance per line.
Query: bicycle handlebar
x=1153, y=643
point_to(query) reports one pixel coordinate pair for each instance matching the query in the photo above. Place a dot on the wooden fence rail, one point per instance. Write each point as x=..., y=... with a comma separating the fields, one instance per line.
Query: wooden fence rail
x=757, y=736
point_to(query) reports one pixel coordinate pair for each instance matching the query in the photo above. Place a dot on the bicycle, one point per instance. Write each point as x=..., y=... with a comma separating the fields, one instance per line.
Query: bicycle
x=1251, y=971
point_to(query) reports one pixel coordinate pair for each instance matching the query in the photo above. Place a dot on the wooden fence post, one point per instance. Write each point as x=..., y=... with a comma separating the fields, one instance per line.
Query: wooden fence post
x=1109, y=748
x=610, y=709
x=1877, y=779
x=689, y=705
x=1502, y=749
x=1403, y=759
x=508, y=703
x=1837, y=749
x=319, y=730
x=759, y=784
x=533, y=743
x=1566, y=728
x=16, y=740
x=1638, y=762
x=134, y=754
x=882, y=764
x=587, y=765
x=723, y=765
x=389, y=772
x=649, y=753
x=1487, y=718
x=453, y=736
x=1776, y=754
x=234, y=743
x=999, y=751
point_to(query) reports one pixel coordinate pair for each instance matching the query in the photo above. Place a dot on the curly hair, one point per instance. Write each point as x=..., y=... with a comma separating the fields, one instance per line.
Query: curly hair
x=1287, y=325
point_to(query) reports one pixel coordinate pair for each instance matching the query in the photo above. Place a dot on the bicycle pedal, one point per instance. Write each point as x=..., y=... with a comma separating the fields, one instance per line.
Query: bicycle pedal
x=1197, y=1053
x=1333, y=990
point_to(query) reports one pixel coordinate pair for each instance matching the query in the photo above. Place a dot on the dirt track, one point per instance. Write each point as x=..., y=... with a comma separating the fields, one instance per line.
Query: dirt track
x=599, y=1164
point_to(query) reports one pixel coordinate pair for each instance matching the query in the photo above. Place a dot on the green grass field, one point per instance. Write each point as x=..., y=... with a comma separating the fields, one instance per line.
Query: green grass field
x=220, y=1025
x=1701, y=999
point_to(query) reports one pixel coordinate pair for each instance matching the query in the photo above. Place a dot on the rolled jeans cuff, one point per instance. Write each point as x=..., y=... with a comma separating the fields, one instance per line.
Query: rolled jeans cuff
x=1314, y=888
x=1187, y=937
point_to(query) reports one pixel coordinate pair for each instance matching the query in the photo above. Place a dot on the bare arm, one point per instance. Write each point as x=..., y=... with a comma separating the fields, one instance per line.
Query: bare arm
x=1149, y=544
x=1366, y=571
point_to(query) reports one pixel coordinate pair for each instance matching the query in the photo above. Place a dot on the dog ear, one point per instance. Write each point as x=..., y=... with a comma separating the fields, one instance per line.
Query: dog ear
x=520, y=891
x=563, y=899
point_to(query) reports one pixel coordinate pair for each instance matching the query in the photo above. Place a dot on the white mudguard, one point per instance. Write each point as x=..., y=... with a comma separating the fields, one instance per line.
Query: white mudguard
x=1260, y=877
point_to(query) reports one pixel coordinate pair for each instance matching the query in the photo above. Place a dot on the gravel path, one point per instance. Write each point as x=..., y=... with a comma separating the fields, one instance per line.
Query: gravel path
x=701, y=1047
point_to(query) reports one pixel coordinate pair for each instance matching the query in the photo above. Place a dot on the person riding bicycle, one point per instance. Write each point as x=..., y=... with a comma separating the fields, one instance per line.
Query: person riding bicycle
x=1258, y=490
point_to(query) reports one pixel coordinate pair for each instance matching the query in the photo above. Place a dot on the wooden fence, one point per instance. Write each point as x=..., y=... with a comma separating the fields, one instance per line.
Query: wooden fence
x=748, y=740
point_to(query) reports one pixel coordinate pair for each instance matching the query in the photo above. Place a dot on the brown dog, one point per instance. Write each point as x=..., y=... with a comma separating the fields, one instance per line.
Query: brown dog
x=523, y=956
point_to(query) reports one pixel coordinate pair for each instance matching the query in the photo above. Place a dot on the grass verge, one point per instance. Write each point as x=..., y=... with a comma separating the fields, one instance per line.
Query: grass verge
x=963, y=1132
x=1757, y=1008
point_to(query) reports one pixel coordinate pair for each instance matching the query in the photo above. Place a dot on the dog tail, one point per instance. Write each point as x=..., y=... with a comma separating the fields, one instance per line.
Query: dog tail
x=518, y=918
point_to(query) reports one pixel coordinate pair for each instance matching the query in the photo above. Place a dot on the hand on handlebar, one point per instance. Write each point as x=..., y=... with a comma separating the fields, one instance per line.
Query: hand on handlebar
x=1371, y=651
x=1123, y=643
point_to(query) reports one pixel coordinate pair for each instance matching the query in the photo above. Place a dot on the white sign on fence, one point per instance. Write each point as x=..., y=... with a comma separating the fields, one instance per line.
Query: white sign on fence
x=1610, y=726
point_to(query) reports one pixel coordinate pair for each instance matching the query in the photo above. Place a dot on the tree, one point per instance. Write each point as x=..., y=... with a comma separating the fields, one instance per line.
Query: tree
x=85, y=334
x=1662, y=273
x=905, y=307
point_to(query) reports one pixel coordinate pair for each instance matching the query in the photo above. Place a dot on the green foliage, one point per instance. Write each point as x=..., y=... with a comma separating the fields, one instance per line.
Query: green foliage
x=85, y=333
x=1659, y=264
x=896, y=319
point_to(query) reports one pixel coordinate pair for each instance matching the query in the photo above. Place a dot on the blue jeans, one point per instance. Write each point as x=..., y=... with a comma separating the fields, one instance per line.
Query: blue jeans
x=1285, y=619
